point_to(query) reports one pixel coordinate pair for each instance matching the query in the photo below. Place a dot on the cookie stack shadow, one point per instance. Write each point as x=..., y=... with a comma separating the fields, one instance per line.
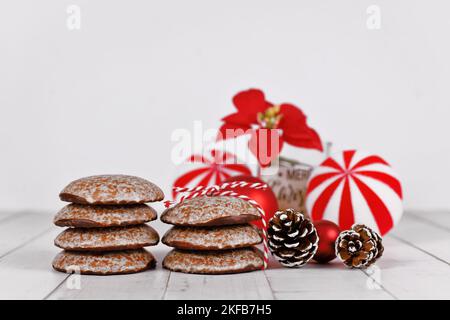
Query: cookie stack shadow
x=107, y=229
x=212, y=235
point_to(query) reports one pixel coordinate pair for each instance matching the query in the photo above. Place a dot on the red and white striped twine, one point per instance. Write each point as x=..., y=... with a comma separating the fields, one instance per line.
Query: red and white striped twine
x=220, y=190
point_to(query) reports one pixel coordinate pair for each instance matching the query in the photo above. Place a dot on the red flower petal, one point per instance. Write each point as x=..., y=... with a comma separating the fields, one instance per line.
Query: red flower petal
x=248, y=103
x=266, y=145
x=229, y=131
x=251, y=101
x=241, y=118
x=293, y=117
x=296, y=131
x=308, y=139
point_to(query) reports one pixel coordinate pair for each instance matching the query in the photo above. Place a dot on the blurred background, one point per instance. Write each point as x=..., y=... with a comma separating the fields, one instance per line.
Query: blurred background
x=105, y=98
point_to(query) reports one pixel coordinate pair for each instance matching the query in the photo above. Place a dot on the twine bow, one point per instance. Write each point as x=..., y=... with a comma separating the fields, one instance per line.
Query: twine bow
x=227, y=189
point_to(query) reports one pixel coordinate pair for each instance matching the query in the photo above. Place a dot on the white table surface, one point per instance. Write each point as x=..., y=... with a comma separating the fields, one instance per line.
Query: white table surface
x=415, y=266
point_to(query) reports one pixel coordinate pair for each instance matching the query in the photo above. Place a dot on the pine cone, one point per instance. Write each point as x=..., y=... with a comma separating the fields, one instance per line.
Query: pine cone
x=359, y=247
x=292, y=238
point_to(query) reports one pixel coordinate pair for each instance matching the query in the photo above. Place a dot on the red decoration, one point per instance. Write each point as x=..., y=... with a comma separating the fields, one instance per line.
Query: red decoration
x=269, y=125
x=213, y=171
x=264, y=197
x=328, y=232
x=355, y=187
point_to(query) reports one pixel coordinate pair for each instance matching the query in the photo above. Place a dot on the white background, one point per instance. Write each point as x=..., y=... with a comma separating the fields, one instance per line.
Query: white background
x=106, y=98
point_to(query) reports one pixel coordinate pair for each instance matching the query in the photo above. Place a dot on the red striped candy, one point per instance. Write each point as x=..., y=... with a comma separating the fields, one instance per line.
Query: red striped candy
x=355, y=187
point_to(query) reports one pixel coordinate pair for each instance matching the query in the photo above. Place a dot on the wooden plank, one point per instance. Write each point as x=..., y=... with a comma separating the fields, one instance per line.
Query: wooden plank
x=19, y=229
x=410, y=273
x=150, y=284
x=440, y=219
x=26, y=273
x=329, y=281
x=427, y=237
x=245, y=286
x=6, y=215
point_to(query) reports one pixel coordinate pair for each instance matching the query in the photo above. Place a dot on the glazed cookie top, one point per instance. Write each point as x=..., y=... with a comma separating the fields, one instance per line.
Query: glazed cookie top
x=111, y=190
x=212, y=238
x=214, y=262
x=107, y=239
x=114, y=262
x=88, y=216
x=210, y=211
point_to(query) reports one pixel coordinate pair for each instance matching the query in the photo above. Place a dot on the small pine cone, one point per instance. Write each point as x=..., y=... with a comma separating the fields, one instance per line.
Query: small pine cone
x=359, y=247
x=292, y=238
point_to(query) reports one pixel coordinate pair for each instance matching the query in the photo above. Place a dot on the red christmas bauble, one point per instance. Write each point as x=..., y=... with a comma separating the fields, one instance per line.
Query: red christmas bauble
x=265, y=197
x=328, y=232
x=355, y=187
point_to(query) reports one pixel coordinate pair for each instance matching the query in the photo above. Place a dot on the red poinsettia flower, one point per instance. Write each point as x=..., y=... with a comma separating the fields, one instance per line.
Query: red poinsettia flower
x=270, y=126
x=214, y=170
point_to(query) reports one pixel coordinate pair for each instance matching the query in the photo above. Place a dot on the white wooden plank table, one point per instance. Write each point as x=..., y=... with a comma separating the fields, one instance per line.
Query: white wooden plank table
x=415, y=266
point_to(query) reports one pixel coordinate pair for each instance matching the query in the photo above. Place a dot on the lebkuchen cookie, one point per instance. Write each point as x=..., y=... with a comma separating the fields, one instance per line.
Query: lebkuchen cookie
x=210, y=211
x=107, y=239
x=212, y=238
x=104, y=263
x=214, y=262
x=106, y=220
x=111, y=190
x=89, y=216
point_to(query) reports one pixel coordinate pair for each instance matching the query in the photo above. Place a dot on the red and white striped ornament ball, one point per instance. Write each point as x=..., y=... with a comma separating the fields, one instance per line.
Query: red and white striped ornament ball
x=355, y=187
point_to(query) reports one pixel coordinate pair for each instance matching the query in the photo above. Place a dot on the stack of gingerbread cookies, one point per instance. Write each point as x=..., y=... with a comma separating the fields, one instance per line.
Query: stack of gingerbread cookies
x=107, y=229
x=212, y=235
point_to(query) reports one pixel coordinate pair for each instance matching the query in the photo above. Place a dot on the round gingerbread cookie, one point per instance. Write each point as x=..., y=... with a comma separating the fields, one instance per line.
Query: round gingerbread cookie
x=104, y=263
x=211, y=211
x=100, y=216
x=212, y=238
x=111, y=190
x=214, y=262
x=107, y=239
